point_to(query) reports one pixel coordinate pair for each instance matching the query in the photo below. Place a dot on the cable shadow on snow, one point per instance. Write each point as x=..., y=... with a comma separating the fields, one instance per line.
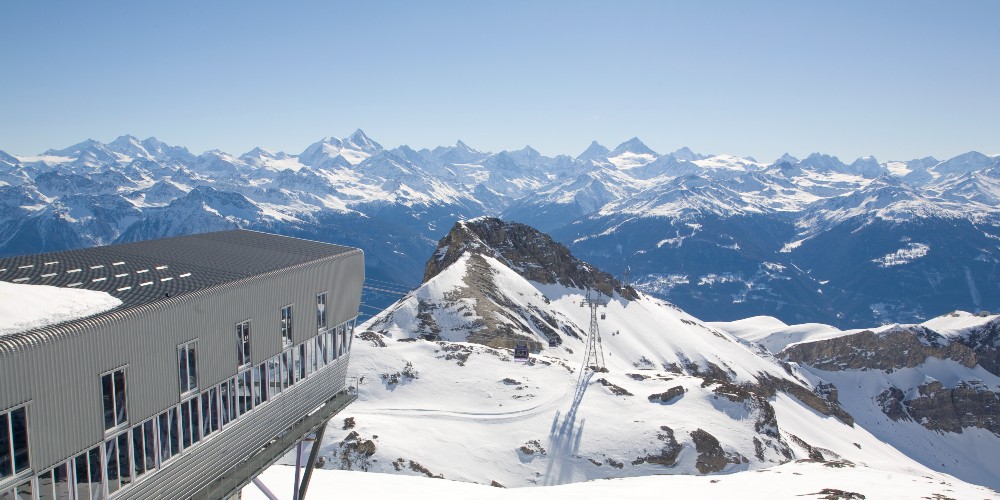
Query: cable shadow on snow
x=564, y=439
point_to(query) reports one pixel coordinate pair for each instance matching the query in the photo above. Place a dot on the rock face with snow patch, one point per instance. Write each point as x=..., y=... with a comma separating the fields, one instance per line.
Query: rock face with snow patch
x=929, y=389
x=898, y=347
x=534, y=255
x=715, y=404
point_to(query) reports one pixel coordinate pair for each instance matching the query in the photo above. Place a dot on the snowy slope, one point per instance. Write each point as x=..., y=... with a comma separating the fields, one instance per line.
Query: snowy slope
x=938, y=406
x=679, y=396
x=788, y=481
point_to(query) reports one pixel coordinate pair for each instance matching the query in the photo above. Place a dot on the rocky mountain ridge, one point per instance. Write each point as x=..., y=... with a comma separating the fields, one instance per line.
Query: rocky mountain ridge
x=931, y=390
x=807, y=240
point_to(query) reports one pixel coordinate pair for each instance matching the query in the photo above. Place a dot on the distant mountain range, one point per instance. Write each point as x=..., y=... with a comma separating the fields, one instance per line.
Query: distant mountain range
x=810, y=240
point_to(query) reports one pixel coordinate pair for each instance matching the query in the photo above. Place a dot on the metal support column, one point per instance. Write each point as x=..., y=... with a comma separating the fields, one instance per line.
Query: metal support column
x=298, y=470
x=264, y=489
x=311, y=462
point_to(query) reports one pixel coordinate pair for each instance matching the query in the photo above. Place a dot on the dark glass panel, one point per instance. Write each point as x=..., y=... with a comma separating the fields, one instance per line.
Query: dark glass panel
x=138, y=449
x=6, y=462
x=120, y=406
x=45, y=491
x=108, y=398
x=182, y=366
x=206, y=418
x=192, y=366
x=149, y=444
x=195, y=427
x=224, y=393
x=164, y=427
x=124, y=463
x=61, y=476
x=186, y=424
x=94, y=456
x=23, y=491
x=19, y=439
x=82, y=484
x=175, y=432
x=111, y=455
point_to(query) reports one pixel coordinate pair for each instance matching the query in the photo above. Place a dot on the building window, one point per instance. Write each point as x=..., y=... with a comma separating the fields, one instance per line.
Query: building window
x=113, y=397
x=286, y=326
x=301, y=360
x=274, y=372
x=260, y=382
x=224, y=396
x=321, y=310
x=244, y=392
x=243, y=343
x=13, y=442
x=54, y=483
x=118, y=468
x=187, y=362
x=88, y=474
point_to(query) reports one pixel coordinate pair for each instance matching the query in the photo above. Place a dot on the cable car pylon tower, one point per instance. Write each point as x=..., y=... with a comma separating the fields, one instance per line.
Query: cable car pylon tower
x=593, y=359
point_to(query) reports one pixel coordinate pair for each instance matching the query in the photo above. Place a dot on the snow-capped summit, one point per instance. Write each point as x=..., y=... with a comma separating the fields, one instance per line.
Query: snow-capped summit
x=332, y=152
x=593, y=152
x=822, y=163
x=787, y=158
x=526, y=155
x=965, y=163
x=74, y=150
x=129, y=146
x=361, y=142
x=686, y=154
x=634, y=146
x=867, y=167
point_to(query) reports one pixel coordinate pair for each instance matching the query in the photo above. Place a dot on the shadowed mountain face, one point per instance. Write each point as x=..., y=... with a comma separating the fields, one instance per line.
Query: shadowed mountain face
x=846, y=243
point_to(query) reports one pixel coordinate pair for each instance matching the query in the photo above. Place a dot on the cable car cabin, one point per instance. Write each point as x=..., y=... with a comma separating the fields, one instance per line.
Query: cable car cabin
x=604, y=316
x=521, y=354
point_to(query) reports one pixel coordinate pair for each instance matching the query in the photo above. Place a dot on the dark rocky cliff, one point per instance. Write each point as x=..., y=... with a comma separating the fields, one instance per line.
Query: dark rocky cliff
x=524, y=249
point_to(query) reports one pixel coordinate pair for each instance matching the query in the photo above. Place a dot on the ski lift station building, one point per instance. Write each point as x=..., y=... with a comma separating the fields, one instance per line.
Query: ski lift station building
x=227, y=349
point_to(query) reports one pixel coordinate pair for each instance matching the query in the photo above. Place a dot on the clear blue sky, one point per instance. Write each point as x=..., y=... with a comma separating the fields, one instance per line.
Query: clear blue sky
x=897, y=79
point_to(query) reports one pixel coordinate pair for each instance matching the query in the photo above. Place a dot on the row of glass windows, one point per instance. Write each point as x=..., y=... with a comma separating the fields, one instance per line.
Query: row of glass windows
x=128, y=455
x=243, y=358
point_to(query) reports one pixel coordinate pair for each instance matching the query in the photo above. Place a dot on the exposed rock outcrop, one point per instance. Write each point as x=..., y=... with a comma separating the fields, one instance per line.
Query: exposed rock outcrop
x=531, y=253
x=948, y=410
x=985, y=342
x=711, y=456
x=900, y=347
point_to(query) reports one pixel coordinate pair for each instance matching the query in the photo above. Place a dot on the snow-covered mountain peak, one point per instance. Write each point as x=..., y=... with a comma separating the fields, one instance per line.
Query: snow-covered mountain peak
x=964, y=163
x=686, y=154
x=130, y=146
x=787, y=158
x=822, y=162
x=74, y=150
x=593, y=152
x=361, y=142
x=634, y=146
x=532, y=253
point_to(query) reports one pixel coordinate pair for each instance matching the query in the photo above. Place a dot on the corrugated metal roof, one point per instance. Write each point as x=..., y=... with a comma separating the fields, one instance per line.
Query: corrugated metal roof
x=148, y=271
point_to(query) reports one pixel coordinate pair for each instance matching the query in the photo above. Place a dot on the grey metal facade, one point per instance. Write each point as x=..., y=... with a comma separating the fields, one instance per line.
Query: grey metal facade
x=233, y=276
